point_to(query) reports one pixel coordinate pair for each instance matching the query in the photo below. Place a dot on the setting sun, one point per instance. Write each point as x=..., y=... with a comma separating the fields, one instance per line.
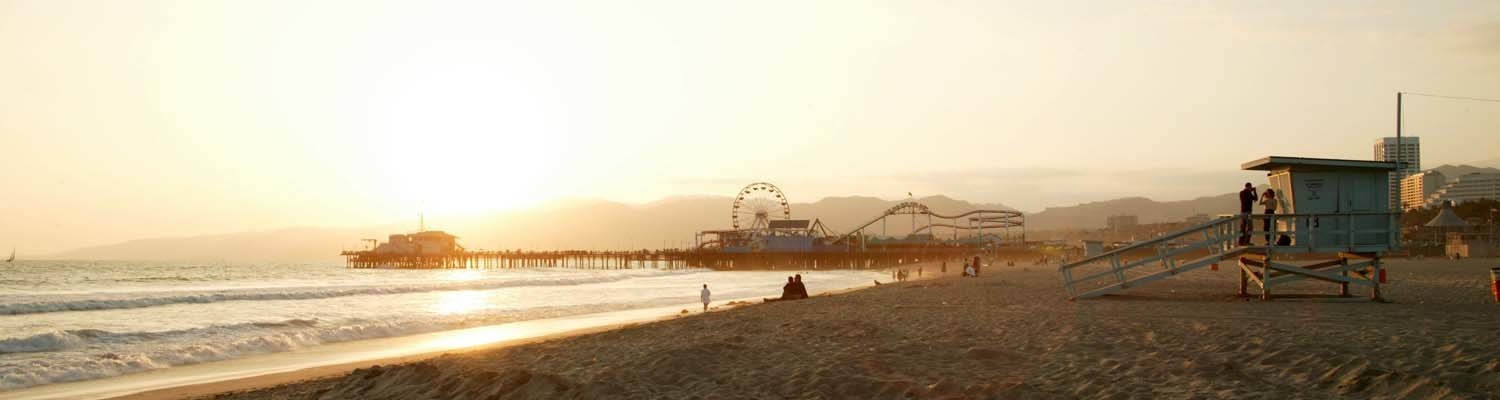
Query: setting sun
x=460, y=133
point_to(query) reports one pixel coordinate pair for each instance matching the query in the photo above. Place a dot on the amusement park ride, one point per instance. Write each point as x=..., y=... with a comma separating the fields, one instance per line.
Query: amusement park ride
x=761, y=221
x=763, y=235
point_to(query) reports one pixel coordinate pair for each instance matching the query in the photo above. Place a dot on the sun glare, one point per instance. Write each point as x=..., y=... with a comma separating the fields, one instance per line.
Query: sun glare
x=461, y=133
x=474, y=337
x=462, y=275
x=463, y=302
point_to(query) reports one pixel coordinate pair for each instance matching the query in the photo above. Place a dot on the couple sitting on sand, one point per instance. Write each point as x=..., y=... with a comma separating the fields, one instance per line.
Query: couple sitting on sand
x=793, y=290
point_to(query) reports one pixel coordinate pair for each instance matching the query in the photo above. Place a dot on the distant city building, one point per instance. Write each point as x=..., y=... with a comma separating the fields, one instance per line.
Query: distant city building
x=1117, y=223
x=1468, y=188
x=1411, y=162
x=1416, y=188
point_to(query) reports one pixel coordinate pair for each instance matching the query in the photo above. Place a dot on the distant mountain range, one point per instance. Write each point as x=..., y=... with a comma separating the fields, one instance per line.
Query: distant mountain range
x=1452, y=172
x=283, y=245
x=1092, y=215
x=601, y=224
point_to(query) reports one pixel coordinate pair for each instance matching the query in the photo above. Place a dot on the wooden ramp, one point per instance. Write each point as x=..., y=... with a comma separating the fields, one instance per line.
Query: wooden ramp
x=1114, y=271
x=1357, y=249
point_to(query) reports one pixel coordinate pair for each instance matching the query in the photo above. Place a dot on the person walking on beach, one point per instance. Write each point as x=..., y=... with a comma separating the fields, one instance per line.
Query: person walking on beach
x=704, y=294
x=968, y=270
x=1247, y=202
x=1268, y=200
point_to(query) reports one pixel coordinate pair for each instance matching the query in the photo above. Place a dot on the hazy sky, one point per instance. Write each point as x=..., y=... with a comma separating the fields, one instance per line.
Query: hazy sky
x=128, y=119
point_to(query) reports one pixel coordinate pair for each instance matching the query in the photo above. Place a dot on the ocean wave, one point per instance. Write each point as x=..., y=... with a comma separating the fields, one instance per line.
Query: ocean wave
x=302, y=293
x=50, y=341
x=78, y=338
x=93, y=354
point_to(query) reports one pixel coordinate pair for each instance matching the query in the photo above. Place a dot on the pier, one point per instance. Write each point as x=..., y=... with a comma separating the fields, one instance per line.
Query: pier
x=663, y=259
x=763, y=236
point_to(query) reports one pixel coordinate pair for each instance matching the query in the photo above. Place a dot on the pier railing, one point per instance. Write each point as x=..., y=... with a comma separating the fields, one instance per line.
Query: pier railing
x=585, y=259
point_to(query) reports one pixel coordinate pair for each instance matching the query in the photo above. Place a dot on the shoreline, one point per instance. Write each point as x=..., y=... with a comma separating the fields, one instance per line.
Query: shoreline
x=1010, y=333
x=327, y=371
x=341, y=358
x=205, y=389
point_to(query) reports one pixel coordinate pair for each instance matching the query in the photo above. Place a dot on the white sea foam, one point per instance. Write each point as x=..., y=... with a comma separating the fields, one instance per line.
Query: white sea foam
x=136, y=323
x=141, y=300
x=50, y=341
x=92, y=354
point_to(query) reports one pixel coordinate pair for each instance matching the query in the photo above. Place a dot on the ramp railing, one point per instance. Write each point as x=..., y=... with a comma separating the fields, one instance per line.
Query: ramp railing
x=1114, y=270
x=1221, y=239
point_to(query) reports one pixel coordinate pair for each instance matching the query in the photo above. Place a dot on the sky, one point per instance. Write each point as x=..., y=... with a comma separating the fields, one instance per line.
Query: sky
x=130, y=119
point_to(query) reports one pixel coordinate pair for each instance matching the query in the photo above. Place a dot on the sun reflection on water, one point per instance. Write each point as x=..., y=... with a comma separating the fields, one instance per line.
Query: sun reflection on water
x=462, y=275
x=475, y=337
x=463, y=302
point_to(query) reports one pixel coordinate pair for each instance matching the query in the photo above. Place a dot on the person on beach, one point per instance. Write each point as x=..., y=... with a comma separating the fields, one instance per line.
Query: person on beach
x=1247, y=202
x=968, y=270
x=788, y=291
x=704, y=295
x=976, y=266
x=1268, y=200
x=799, y=290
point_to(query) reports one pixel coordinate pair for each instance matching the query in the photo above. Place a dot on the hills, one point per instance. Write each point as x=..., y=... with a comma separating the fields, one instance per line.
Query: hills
x=602, y=224
x=282, y=245
x=1092, y=215
x=1452, y=172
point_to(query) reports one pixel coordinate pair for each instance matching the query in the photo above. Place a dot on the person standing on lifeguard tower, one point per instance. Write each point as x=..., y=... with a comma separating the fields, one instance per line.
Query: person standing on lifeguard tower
x=1247, y=204
x=1268, y=200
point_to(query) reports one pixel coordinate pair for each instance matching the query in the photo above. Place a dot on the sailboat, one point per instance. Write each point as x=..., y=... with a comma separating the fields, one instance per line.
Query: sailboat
x=12, y=255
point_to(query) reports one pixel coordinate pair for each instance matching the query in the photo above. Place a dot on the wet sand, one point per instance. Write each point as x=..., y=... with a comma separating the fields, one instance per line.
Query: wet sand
x=1008, y=334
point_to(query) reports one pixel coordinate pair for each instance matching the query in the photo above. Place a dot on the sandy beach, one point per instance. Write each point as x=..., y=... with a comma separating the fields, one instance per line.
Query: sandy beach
x=1008, y=334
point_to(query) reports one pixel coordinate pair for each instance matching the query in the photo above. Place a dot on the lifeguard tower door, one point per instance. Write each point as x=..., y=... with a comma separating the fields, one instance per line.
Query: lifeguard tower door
x=1316, y=191
x=1355, y=198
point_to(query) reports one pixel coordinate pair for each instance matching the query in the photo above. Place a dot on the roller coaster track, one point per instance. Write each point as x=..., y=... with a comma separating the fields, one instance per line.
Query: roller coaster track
x=969, y=227
x=1001, y=219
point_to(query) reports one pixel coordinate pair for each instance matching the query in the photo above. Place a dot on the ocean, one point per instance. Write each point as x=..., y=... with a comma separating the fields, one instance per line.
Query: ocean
x=68, y=321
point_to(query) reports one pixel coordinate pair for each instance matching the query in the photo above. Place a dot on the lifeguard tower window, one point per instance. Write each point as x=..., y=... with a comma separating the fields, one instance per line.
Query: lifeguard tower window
x=1331, y=205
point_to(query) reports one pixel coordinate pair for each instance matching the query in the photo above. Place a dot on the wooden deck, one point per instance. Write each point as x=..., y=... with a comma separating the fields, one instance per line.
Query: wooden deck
x=585, y=259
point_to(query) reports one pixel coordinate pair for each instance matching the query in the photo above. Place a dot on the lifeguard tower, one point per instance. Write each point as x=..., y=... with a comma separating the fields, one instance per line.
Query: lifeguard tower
x=1333, y=214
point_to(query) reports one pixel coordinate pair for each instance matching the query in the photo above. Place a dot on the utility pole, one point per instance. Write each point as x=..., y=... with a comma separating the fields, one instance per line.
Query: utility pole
x=1400, y=169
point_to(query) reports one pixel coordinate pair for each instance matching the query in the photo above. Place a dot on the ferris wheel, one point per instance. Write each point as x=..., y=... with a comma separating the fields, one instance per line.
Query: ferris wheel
x=757, y=204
